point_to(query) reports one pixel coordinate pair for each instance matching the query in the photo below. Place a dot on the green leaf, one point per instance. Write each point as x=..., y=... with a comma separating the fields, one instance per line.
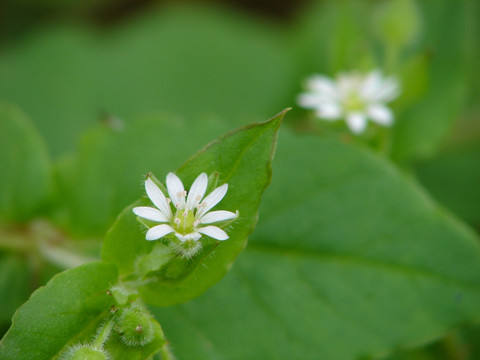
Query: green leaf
x=331, y=37
x=25, y=170
x=420, y=129
x=452, y=178
x=14, y=285
x=189, y=60
x=242, y=159
x=350, y=259
x=57, y=313
x=106, y=173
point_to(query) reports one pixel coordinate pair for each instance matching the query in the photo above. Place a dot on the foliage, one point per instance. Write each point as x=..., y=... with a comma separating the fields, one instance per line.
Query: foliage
x=365, y=247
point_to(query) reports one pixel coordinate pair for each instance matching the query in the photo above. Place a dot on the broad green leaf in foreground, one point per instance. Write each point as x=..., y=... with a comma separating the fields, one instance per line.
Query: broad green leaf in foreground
x=242, y=159
x=57, y=313
x=25, y=178
x=350, y=259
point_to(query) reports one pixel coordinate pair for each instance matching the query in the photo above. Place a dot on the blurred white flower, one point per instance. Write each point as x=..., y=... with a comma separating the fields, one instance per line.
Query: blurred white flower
x=191, y=216
x=353, y=97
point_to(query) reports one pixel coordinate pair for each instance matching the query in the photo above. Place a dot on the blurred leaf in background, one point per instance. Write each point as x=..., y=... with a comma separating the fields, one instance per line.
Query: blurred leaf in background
x=190, y=61
x=351, y=258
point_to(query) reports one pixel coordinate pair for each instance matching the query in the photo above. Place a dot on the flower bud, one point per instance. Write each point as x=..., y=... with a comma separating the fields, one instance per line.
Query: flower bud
x=135, y=326
x=398, y=22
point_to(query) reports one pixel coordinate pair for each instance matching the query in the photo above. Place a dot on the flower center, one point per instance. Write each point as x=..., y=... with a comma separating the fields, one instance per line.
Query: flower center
x=184, y=222
x=354, y=102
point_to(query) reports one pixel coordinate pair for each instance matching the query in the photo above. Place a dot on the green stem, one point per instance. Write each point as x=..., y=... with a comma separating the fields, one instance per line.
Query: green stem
x=13, y=243
x=454, y=347
x=166, y=353
x=391, y=58
x=61, y=257
x=103, y=334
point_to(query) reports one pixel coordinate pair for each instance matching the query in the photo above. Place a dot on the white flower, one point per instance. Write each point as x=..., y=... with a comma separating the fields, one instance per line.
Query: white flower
x=191, y=216
x=353, y=97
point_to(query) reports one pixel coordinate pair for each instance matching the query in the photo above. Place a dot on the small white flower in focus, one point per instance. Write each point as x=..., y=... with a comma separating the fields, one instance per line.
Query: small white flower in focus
x=353, y=97
x=190, y=217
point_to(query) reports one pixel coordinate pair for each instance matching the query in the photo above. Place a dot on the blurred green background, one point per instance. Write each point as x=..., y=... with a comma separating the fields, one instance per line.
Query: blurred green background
x=101, y=80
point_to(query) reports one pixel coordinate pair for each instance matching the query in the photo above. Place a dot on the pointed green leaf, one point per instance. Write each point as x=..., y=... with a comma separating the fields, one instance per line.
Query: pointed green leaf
x=25, y=177
x=242, y=159
x=57, y=313
x=350, y=259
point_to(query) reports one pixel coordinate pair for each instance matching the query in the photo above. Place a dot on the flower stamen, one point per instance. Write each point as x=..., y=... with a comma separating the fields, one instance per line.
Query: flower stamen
x=191, y=221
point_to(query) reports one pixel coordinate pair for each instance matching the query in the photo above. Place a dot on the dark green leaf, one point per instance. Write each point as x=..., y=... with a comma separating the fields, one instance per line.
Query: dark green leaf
x=188, y=60
x=25, y=169
x=421, y=128
x=57, y=313
x=14, y=285
x=453, y=179
x=350, y=260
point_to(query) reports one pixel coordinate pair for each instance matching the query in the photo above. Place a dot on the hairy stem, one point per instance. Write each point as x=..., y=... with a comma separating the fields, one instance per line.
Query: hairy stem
x=103, y=334
x=166, y=353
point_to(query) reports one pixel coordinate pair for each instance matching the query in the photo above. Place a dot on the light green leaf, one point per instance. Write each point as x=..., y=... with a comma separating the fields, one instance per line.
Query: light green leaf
x=351, y=259
x=242, y=159
x=25, y=177
x=57, y=313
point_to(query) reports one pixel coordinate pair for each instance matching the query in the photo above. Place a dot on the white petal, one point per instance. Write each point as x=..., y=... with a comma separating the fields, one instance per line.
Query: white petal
x=197, y=191
x=150, y=213
x=356, y=122
x=192, y=236
x=348, y=83
x=212, y=199
x=380, y=114
x=389, y=90
x=158, y=232
x=372, y=85
x=329, y=111
x=180, y=237
x=322, y=85
x=216, y=216
x=195, y=236
x=176, y=191
x=310, y=101
x=214, y=232
x=157, y=197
